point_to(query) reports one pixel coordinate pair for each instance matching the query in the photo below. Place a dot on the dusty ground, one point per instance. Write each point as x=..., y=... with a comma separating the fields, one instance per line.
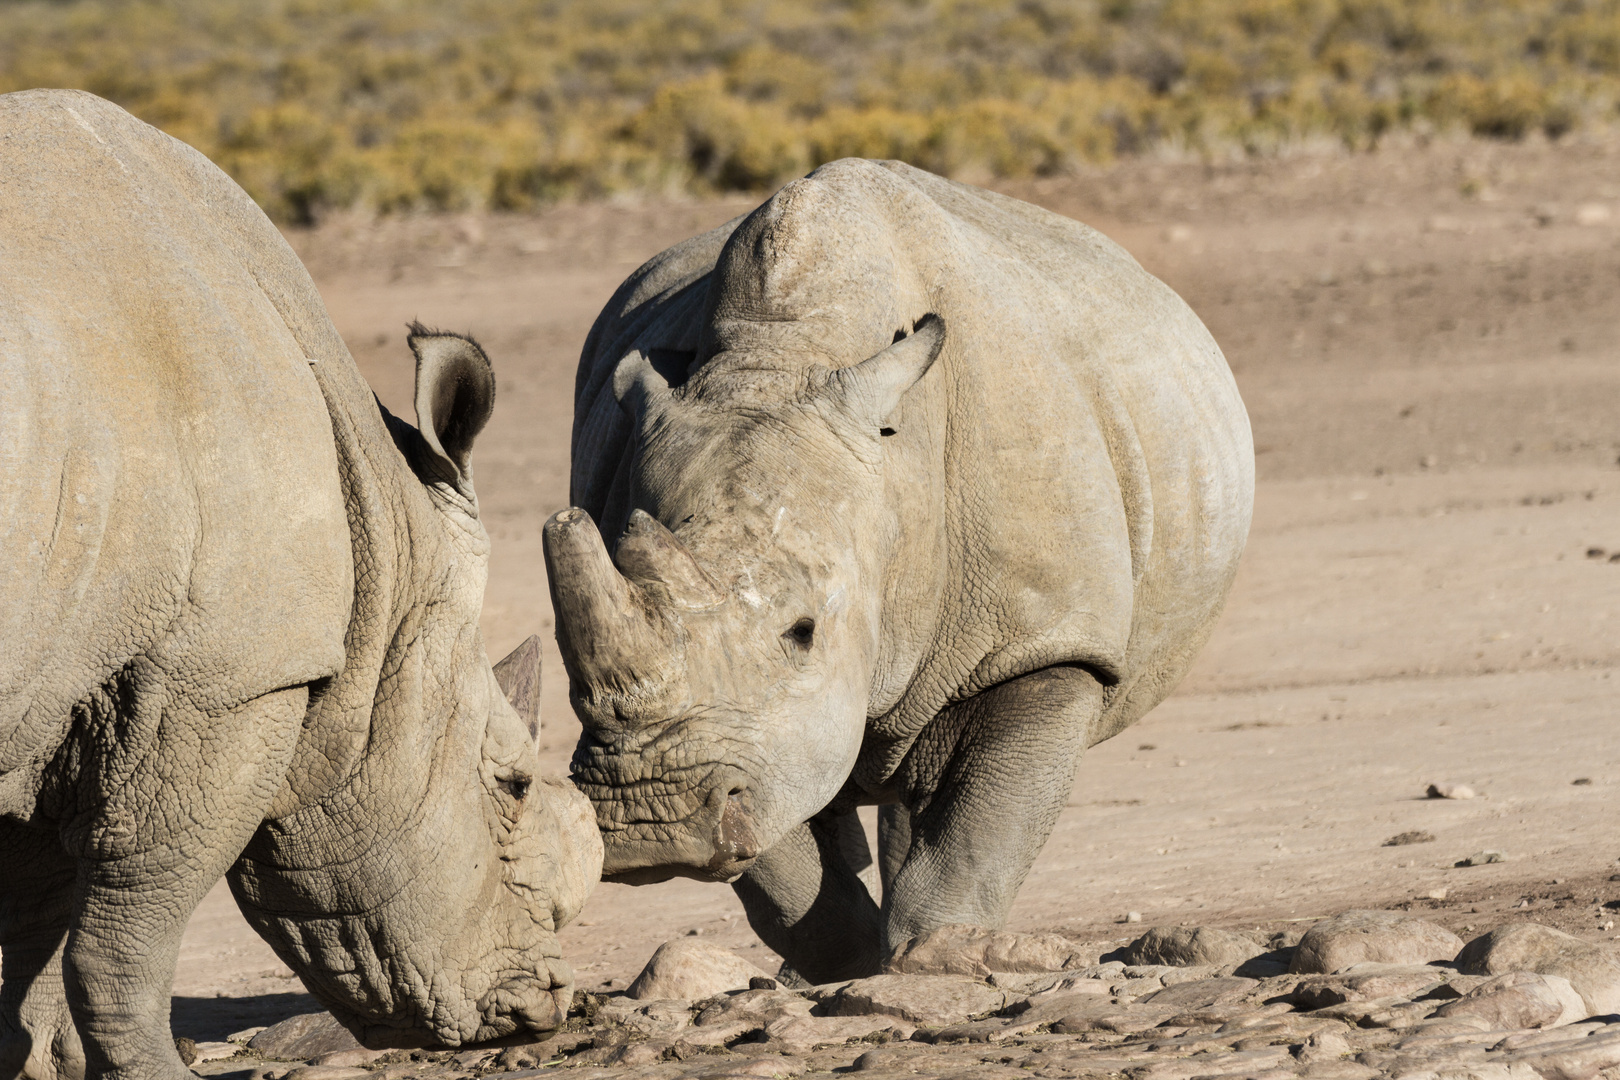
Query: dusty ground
x=1427, y=342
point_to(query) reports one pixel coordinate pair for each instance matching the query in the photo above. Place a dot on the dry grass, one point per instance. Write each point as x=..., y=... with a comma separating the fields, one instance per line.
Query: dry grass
x=449, y=104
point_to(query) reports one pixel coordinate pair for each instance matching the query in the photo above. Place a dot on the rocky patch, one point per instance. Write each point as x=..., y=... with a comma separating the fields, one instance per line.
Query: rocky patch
x=1484, y=1014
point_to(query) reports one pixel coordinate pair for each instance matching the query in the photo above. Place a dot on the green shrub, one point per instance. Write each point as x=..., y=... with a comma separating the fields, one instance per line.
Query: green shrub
x=448, y=104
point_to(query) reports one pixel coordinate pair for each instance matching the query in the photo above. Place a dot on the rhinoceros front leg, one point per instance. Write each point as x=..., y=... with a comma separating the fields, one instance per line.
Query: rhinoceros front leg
x=37, y=1038
x=187, y=799
x=984, y=786
x=806, y=899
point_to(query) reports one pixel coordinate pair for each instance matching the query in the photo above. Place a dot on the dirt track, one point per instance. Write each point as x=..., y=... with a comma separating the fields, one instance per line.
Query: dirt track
x=1428, y=341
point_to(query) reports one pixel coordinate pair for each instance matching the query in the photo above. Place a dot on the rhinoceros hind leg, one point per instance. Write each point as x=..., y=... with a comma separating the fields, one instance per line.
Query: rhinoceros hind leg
x=37, y=1038
x=185, y=809
x=805, y=900
x=985, y=785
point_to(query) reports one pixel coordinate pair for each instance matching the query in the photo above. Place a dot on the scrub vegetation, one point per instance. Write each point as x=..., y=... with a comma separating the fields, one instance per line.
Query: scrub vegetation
x=450, y=104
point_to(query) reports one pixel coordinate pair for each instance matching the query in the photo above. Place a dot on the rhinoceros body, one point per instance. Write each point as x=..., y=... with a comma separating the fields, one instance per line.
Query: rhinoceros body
x=238, y=631
x=917, y=492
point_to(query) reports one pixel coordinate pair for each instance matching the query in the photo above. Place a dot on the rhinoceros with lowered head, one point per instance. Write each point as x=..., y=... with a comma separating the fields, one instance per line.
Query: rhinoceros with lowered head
x=914, y=492
x=239, y=633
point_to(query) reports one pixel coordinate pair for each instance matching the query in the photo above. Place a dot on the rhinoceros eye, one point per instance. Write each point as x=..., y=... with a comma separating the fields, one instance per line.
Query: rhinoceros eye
x=802, y=633
x=517, y=787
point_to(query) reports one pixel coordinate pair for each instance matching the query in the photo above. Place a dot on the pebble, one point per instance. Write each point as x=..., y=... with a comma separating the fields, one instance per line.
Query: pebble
x=1481, y=858
x=1450, y=791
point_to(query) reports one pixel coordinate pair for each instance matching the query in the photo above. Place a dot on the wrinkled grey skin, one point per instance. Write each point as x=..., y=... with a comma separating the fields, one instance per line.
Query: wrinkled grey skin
x=915, y=492
x=239, y=632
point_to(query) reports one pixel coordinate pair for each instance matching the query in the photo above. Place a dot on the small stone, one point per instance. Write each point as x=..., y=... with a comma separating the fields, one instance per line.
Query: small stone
x=358, y=1056
x=1191, y=946
x=1415, y=836
x=1450, y=791
x=761, y=982
x=299, y=1038
x=244, y=1036
x=1481, y=858
x=1436, y=894
x=216, y=1051
x=1582, y=781
x=690, y=969
x=187, y=1049
x=1593, y=970
x=1329, y=1045
x=1385, y=937
x=1133, y=916
x=326, y=1072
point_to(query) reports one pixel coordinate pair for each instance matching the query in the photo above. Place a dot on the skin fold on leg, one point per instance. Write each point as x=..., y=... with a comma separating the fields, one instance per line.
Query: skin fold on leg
x=184, y=806
x=981, y=791
x=37, y=1038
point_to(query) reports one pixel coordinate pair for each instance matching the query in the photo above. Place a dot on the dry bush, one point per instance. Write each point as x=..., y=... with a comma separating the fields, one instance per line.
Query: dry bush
x=450, y=104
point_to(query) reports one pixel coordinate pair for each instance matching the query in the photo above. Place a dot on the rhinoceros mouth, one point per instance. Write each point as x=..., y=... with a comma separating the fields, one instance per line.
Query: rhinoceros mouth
x=716, y=842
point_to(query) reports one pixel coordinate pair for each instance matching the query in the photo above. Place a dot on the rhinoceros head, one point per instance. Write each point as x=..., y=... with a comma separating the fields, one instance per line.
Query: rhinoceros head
x=417, y=866
x=722, y=658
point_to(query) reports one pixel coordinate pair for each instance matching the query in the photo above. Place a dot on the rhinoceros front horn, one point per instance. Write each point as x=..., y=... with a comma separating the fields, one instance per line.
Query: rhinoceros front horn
x=519, y=679
x=610, y=634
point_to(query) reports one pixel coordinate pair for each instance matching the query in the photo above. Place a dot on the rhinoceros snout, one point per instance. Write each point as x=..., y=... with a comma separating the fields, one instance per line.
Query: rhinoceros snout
x=718, y=842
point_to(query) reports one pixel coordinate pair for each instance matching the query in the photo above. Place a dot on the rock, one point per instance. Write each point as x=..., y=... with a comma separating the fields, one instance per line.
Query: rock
x=960, y=949
x=216, y=1051
x=1327, y=1045
x=358, y=1056
x=187, y=1049
x=1415, y=836
x=932, y=1000
x=690, y=968
x=301, y=1037
x=1450, y=791
x=1189, y=946
x=528, y=1056
x=1366, y=982
x=1385, y=937
x=1481, y=858
x=759, y=983
x=326, y=1072
x=1518, y=1000
x=1577, y=1059
x=1205, y=994
x=1593, y=970
x=799, y=1034
x=244, y=1036
x=757, y=1008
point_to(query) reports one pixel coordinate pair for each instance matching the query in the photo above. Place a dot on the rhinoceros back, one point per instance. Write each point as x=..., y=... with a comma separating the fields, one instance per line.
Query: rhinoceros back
x=169, y=493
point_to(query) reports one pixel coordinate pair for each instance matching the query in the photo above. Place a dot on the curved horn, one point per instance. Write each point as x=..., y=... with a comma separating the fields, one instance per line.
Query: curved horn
x=610, y=636
x=649, y=554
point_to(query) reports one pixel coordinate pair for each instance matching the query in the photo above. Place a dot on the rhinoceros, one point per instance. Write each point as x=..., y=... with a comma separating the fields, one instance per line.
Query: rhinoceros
x=239, y=632
x=916, y=491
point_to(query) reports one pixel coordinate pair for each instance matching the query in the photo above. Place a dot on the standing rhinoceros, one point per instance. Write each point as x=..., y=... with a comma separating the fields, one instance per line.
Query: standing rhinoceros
x=918, y=491
x=239, y=632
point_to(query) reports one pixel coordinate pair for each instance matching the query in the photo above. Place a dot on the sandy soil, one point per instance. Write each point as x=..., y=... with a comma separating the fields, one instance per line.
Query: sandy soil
x=1427, y=342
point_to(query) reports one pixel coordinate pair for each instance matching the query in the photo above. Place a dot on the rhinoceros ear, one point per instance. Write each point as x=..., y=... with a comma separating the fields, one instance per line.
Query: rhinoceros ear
x=519, y=679
x=455, y=394
x=872, y=389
